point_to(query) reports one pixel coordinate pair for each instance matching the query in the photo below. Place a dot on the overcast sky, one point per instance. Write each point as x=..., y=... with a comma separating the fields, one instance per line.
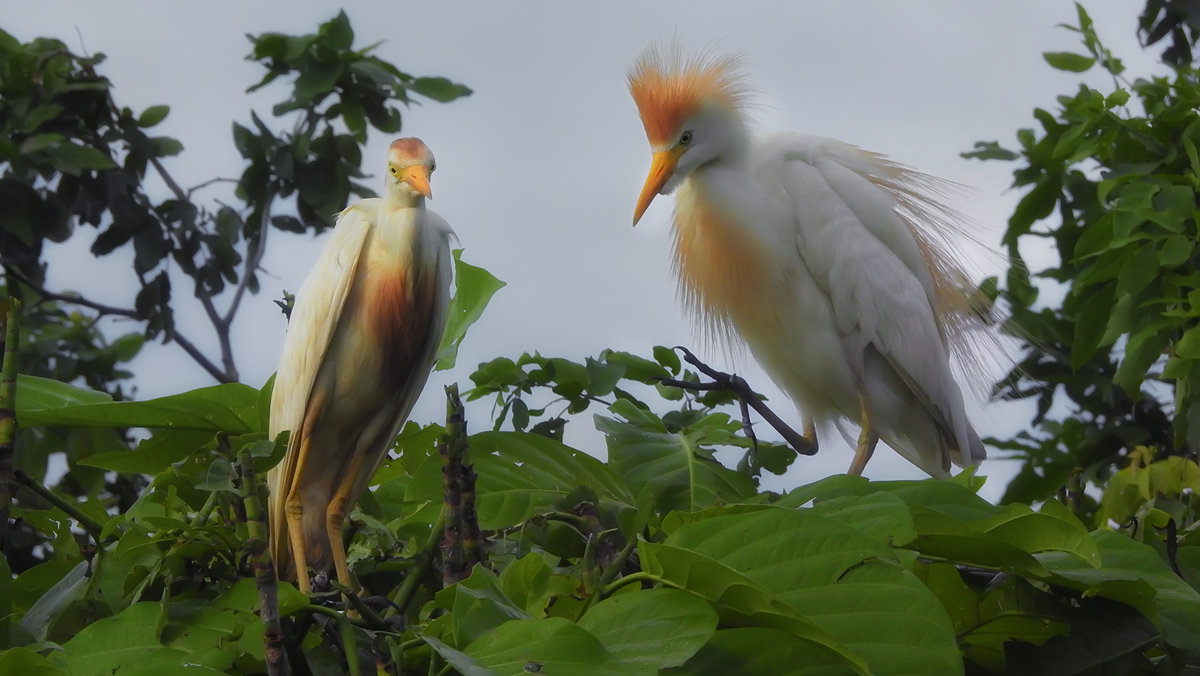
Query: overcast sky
x=539, y=169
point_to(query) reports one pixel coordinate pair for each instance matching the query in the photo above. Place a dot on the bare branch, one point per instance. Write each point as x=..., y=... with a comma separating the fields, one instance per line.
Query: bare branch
x=204, y=184
x=198, y=356
x=725, y=381
x=76, y=299
x=172, y=184
x=253, y=258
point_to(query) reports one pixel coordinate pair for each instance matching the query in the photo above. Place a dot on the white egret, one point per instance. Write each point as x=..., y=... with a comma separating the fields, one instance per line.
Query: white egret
x=359, y=348
x=831, y=263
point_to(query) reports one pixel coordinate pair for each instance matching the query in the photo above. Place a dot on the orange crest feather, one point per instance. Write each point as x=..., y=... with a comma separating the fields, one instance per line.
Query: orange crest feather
x=668, y=88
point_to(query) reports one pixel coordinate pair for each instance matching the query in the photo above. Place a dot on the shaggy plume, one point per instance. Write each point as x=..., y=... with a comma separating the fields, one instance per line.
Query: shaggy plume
x=668, y=87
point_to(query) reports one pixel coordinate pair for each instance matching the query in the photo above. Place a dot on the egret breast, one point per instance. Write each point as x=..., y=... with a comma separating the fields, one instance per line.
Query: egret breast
x=725, y=273
x=399, y=314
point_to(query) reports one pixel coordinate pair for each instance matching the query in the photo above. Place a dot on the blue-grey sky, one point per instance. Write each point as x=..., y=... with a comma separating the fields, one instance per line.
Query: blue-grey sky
x=538, y=171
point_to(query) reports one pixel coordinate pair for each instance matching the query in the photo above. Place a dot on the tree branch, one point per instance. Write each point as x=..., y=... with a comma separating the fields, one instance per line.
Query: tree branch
x=264, y=567
x=204, y=184
x=77, y=300
x=253, y=258
x=733, y=383
x=203, y=361
x=8, y=419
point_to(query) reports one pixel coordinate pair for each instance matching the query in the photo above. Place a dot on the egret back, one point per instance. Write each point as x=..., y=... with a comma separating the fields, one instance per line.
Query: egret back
x=815, y=267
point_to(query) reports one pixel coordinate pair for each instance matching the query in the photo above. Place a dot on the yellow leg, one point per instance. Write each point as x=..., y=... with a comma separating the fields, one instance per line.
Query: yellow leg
x=810, y=433
x=335, y=518
x=295, y=515
x=866, y=439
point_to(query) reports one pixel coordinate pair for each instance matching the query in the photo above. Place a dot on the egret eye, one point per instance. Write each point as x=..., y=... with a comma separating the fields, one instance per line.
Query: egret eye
x=433, y=167
x=394, y=170
x=685, y=138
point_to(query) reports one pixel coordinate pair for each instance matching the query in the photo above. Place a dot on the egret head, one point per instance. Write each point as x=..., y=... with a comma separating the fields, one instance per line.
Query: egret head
x=691, y=109
x=410, y=164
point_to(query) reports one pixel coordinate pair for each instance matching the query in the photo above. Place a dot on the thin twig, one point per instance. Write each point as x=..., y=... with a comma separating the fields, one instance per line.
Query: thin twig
x=172, y=185
x=737, y=385
x=85, y=522
x=202, y=360
x=253, y=258
x=204, y=184
x=68, y=298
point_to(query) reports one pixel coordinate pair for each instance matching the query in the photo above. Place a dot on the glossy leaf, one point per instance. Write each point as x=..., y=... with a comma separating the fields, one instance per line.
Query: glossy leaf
x=654, y=629
x=474, y=288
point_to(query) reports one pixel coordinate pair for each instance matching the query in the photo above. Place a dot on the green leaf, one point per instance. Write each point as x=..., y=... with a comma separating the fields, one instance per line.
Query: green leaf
x=762, y=650
x=336, y=34
x=673, y=467
x=532, y=585
x=474, y=288
x=72, y=158
x=741, y=601
x=27, y=663
x=652, y=629
x=844, y=581
x=1091, y=325
x=1175, y=250
x=439, y=88
x=883, y=516
x=231, y=407
x=163, y=449
x=153, y=115
x=67, y=590
x=35, y=393
x=522, y=474
x=550, y=646
x=1075, y=63
x=1135, y=574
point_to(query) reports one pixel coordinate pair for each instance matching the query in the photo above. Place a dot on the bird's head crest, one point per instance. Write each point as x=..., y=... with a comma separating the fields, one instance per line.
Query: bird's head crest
x=668, y=87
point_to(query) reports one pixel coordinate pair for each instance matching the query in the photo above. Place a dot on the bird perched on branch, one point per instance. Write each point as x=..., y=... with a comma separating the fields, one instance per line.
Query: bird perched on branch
x=360, y=344
x=832, y=263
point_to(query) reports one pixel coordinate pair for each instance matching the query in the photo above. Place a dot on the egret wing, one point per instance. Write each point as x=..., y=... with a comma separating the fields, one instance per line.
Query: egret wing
x=870, y=265
x=314, y=320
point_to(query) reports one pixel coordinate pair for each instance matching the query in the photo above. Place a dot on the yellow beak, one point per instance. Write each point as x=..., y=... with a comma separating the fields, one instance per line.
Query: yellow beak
x=662, y=166
x=417, y=176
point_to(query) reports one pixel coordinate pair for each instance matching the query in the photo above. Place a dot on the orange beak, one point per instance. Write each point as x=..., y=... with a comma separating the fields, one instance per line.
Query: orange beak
x=417, y=176
x=662, y=167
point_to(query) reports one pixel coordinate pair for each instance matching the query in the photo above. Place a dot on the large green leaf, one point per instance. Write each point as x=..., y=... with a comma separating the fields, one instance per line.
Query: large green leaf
x=162, y=449
x=26, y=662
x=520, y=475
x=69, y=589
x=741, y=601
x=477, y=606
x=150, y=636
x=672, y=467
x=548, y=646
x=231, y=407
x=652, y=629
x=1135, y=574
x=533, y=585
x=844, y=581
x=35, y=393
x=473, y=289
x=761, y=650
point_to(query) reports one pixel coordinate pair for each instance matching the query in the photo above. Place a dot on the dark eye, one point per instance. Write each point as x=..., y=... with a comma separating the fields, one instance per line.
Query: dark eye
x=393, y=170
x=433, y=167
x=685, y=138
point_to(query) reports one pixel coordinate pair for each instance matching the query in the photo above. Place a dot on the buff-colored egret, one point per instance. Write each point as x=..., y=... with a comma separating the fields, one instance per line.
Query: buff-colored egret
x=360, y=344
x=832, y=263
